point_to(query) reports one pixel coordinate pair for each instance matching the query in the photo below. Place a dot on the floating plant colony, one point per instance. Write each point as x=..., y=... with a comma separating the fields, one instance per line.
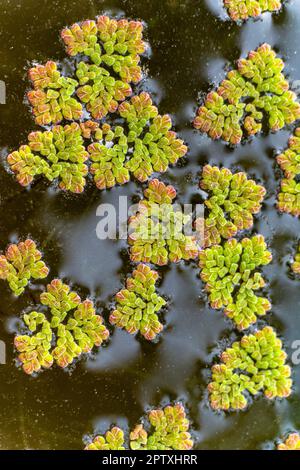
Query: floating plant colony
x=71, y=327
x=232, y=201
x=139, y=142
x=138, y=305
x=296, y=263
x=146, y=146
x=20, y=264
x=289, y=162
x=291, y=443
x=231, y=277
x=256, y=363
x=244, y=9
x=113, y=439
x=254, y=90
x=141, y=145
x=167, y=430
x=156, y=231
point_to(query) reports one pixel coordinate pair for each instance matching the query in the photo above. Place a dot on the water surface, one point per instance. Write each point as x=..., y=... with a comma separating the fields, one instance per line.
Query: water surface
x=192, y=44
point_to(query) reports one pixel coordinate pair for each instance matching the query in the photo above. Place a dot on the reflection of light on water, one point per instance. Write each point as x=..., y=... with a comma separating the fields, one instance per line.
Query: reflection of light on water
x=187, y=337
x=255, y=32
x=215, y=70
x=155, y=88
x=267, y=29
x=88, y=261
x=123, y=349
x=217, y=8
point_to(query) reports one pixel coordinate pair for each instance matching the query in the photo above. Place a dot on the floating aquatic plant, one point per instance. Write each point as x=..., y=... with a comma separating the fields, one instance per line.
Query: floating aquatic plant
x=256, y=363
x=21, y=263
x=291, y=443
x=289, y=161
x=112, y=440
x=296, y=263
x=138, y=305
x=143, y=146
x=289, y=197
x=69, y=329
x=52, y=97
x=257, y=88
x=156, y=232
x=231, y=278
x=99, y=91
x=113, y=48
x=56, y=154
x=169, y=431
x=146, y=144
x=91, y=130
x=232, y=201
x=244, y=9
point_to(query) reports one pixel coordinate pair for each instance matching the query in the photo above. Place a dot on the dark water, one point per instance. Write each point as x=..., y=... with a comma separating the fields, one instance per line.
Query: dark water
x=191, y=44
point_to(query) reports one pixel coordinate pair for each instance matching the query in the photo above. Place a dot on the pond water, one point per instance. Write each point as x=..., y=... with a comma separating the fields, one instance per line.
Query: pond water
x=192, y=44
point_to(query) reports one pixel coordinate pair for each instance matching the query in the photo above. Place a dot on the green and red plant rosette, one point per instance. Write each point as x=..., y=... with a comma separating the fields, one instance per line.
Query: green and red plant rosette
x=69, y=329
x=291, y=443
x=156, y=232
x=231, y=277
x=138, y=306
x=143, y=145
x=232, y=201
x=254, y=90
x=296, y=263
x=245, y=9
x=255, y=364
x=289, y=162
x=52, y=97
x=58, y=154
x=166, y=429
x=21, y=263
x=111, y=440
x=113, y=49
